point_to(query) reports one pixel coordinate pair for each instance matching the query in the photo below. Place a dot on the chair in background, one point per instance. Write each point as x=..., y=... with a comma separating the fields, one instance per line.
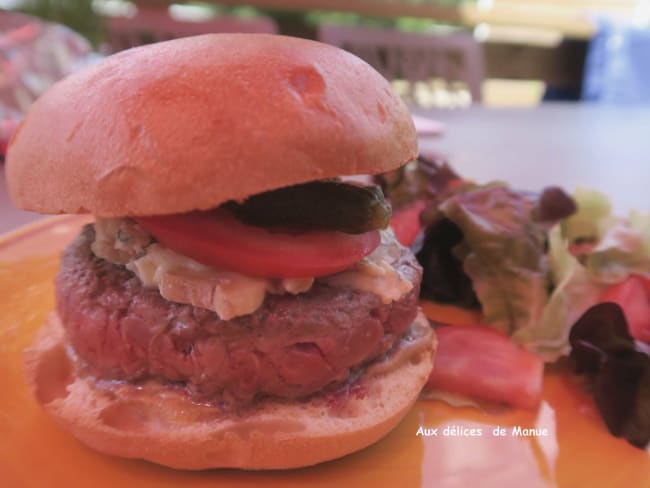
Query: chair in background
x=154, y=25
x=454, y=57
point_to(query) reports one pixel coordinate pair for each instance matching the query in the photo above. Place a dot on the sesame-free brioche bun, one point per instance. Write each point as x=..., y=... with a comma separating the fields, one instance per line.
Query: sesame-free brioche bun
x=191, y=123
x=163, y=425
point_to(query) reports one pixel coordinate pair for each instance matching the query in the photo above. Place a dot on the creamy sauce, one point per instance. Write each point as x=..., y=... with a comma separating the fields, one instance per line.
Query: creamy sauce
x=375, y=273
x=230, y=294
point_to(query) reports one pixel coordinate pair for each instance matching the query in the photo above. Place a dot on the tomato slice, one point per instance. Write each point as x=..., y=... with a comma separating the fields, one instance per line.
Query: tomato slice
x=217, y=238
x=633, y=295
x=406, y=222
x=482, y=363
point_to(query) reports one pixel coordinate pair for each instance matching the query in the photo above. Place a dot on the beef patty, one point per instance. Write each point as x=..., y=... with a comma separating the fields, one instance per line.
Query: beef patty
x=291, y=347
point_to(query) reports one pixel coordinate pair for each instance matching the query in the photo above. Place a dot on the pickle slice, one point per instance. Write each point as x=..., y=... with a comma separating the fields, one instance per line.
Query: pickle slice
x=319, y=205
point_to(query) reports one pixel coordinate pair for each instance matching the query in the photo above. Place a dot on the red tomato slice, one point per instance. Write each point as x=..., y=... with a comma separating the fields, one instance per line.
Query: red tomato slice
x=406, y=222
x=217, y=238
x=634, y=298
x=480, y=362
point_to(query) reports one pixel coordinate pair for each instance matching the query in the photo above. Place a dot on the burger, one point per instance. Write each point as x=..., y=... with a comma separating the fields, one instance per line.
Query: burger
x=237, y=301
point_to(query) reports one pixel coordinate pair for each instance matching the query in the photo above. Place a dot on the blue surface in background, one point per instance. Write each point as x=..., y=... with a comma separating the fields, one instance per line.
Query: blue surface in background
x=617, y=68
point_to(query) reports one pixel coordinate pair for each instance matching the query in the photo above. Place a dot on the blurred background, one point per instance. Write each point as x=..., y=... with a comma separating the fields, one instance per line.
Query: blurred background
x=443, y=53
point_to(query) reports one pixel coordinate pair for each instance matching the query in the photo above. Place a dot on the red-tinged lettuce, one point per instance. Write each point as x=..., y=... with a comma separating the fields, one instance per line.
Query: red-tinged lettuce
x=503, y=253
x=606, y=251
x=487, y=245
x=500, y=249
x=444, y=279
x=424, y=179
x=619, y=374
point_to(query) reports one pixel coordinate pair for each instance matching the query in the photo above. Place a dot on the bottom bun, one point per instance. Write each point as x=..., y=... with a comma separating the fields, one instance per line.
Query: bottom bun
x=161, y=424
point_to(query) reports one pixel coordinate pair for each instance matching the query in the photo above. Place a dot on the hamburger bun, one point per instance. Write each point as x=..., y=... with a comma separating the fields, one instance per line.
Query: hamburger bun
x=168, y=429
x=141, y=132
x=188, y=125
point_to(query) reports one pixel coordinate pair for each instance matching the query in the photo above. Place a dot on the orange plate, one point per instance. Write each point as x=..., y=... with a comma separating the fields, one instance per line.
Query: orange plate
x=577, y=452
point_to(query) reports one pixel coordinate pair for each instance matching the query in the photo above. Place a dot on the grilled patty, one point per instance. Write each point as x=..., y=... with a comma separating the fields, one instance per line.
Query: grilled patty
x=290, y=347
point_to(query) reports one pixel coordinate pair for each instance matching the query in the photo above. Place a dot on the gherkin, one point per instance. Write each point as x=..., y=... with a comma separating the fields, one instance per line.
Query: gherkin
x=329, y=205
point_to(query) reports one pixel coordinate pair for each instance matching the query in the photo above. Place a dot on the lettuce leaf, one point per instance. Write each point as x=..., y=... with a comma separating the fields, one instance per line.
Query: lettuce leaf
x=521, y=266
x=623, y=249
x=575, y=291
x=618, y=371
x=503, y=252
x=619, y=246
x=586, y=225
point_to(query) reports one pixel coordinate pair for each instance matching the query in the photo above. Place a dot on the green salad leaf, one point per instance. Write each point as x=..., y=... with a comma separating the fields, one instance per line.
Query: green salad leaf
x=539, y=265
x=503, y=253
x=619, y=246
x=624, y=248
x=594, y=208
x=533, y=262
x=574, y=292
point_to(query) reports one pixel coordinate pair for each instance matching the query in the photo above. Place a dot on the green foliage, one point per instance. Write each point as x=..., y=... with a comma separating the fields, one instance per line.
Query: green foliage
x=76, y=14
x=80, y=16
x=317, y=17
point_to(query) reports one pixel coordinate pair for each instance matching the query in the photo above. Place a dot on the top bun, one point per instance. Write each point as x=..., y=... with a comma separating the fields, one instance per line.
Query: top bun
x=191, y=123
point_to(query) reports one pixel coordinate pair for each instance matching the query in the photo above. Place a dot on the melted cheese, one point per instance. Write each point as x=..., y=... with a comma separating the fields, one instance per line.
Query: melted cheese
x=229, y=294
x=375, y=273
x=181, y=279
